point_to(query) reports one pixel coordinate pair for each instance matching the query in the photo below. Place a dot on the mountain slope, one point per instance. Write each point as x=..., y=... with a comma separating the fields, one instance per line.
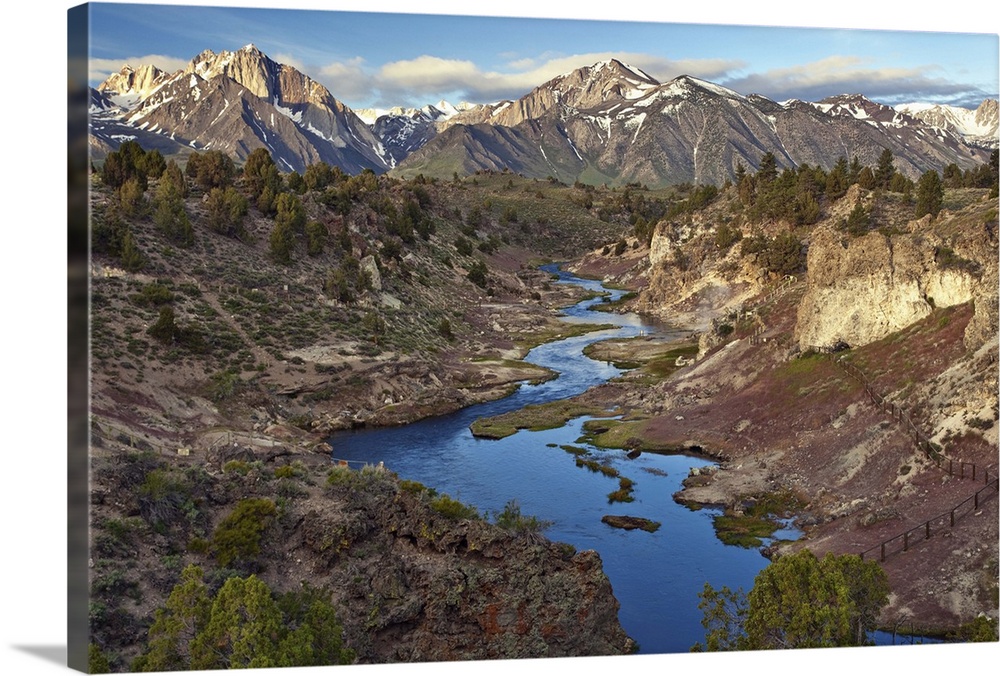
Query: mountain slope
x=623, y=126
x=978, y=126
x=239, y=101
x=606, y=123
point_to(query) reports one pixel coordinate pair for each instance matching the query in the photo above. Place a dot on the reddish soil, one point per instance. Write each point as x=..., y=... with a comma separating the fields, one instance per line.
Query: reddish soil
x=776, y=421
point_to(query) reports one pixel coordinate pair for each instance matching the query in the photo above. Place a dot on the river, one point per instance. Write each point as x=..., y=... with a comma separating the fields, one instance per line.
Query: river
x=655, y=576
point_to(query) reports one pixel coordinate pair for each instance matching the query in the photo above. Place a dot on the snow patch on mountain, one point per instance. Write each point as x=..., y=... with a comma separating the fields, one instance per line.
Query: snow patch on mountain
x=966, y=122
x=295, y=117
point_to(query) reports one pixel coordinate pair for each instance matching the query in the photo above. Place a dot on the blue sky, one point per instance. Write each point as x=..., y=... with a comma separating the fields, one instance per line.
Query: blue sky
x=384, y=59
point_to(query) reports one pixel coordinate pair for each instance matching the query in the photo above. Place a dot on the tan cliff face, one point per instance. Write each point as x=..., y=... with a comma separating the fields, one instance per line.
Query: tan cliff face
x=862, y=289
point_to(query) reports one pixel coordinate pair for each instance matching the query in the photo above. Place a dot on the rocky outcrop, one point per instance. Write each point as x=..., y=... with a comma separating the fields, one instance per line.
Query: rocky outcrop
x=417, y=584
x=690, y=281
x=860, y=290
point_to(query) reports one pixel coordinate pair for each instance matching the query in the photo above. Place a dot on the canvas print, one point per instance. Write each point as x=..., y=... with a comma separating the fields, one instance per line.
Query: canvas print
x=424, y=338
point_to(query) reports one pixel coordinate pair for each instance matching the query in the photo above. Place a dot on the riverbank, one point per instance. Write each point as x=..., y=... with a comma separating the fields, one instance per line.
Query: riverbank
x=780, y=422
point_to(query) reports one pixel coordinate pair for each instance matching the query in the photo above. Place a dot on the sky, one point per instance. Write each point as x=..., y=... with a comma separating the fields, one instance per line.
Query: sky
x=393, y=58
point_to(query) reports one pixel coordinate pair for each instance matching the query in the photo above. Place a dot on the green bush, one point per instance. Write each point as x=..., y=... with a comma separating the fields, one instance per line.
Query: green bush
x=512, y=519
x=164, y=499
x=284, y=472
x=453, y=509
x=236, y=467
x=237, y=537
x=726, y=236
x=798, y=601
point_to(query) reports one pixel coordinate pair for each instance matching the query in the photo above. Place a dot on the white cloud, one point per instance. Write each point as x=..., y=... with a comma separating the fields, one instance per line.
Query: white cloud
x=347, y=80
x=428, y=78
x=852, y=75
x=289, y=60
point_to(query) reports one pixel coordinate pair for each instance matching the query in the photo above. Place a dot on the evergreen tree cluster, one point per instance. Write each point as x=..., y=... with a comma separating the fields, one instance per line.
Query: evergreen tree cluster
x=243, y=625
x=797, y=195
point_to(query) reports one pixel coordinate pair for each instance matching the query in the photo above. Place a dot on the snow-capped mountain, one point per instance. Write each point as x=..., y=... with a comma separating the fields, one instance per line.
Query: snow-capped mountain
x=238, y=101
x=604, y=123
x=404, y=130
x=979, y=126
x=613, y=123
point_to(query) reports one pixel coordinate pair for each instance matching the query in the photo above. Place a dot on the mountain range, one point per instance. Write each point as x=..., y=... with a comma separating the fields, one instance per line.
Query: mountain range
x=604, y=123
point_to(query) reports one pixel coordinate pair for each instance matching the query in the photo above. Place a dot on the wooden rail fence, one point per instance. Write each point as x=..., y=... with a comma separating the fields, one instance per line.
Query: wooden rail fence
x=903, y=541
x=960, y=468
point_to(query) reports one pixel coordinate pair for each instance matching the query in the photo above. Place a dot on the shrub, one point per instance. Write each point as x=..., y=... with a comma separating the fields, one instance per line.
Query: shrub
x=153, y=294
x=162, y=498
x=237, y=537
x=444, y=328
x=453, y=509
x=415, y=487
x=858, y=221
x=227, y=209
x=476, y=274
x=236, y=467
x=726, y=236
x=512, y=519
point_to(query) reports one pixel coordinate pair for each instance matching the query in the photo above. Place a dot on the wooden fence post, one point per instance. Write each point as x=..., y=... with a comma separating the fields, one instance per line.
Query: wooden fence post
x=906, y=541
x=928, y=531
x=883, y=552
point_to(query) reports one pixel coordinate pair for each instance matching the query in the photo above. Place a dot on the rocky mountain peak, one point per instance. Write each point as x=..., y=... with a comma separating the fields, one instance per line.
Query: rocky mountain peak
x=600, y=83
x=688, y=85
x=977, y=126
x=861, y=107
x=987, y=113
x=133, y=81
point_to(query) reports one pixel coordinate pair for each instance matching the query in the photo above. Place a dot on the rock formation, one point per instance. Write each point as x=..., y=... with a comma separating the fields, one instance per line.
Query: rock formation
x=862, y=289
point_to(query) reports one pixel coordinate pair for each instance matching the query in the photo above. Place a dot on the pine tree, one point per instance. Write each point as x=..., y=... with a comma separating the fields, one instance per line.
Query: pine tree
x=227, y=209
x=165, y=328
x=212, y=169
x=930, y=195
x=176, y=625
x=260, y=172
x=289, y=210
x=242, y=629
x=131, y=198
x=244, y=625
x=168, y=208
x=768, y=170
x=854, y=171
x=132, y=258
x=885, y=169
x=282, y=241
x=838, y=180
x=316, y=236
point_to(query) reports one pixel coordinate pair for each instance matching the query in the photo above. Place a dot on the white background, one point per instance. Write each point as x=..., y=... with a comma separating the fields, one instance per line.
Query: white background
x=33, y=327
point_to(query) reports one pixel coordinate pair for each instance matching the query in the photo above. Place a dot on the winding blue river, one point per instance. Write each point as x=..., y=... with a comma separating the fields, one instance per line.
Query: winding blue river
x=655, y=576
